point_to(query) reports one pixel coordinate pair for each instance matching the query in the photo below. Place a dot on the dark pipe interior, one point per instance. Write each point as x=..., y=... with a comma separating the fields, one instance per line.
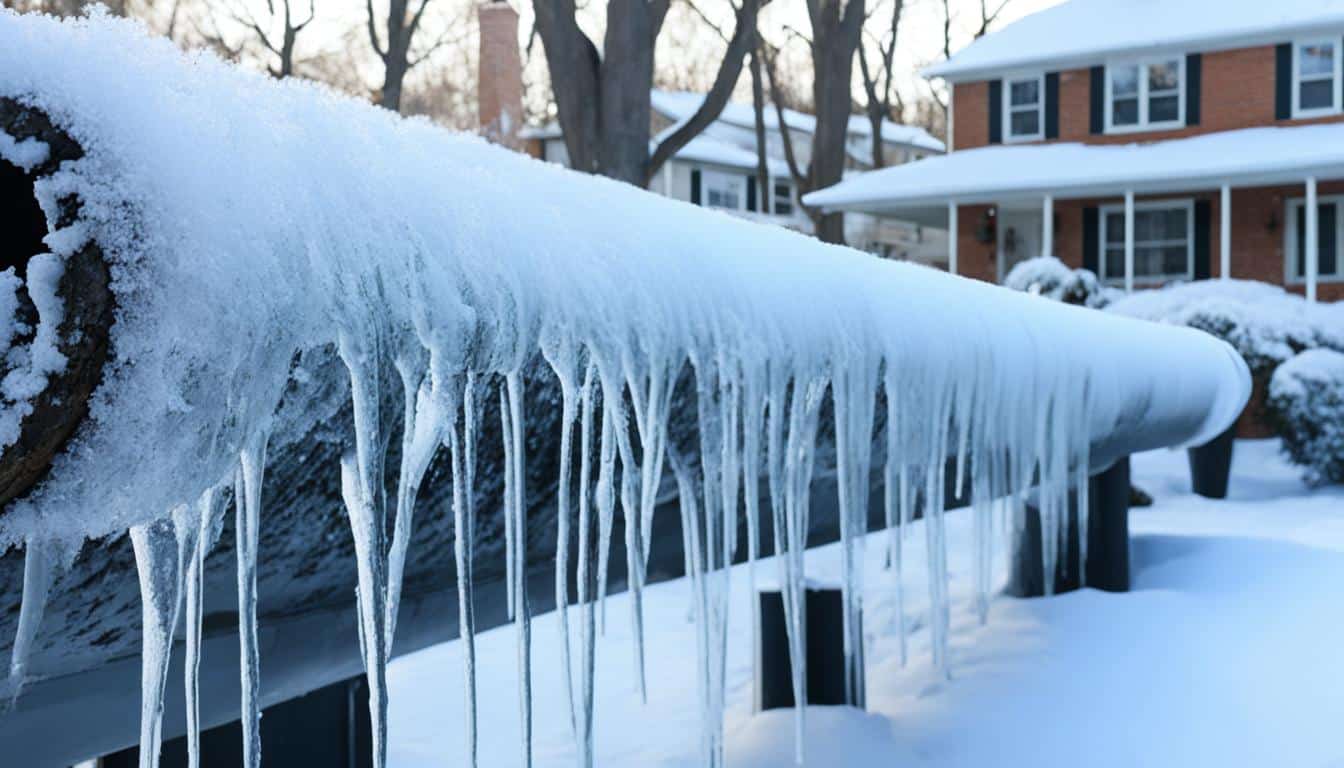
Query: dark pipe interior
x=22, y=223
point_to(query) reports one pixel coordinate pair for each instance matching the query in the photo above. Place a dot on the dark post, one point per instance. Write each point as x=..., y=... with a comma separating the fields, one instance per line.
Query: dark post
x=1211, y=465
x=825, y=650
x=1107, y=541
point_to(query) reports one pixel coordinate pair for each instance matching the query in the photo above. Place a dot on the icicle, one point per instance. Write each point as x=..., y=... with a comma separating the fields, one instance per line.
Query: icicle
x=753, y=425
x=39, y=570
x=209, y=520
x=156, y=559
x=606, y=504
x=587, y=624
x=510, y=526
x=564, y=363
x=515, y=481
x=464, y=524
x=422, y=428
x=247, y=504
x=894, y=503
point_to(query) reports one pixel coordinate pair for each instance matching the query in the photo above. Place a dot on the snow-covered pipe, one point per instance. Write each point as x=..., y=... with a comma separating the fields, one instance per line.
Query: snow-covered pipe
x=283, y=258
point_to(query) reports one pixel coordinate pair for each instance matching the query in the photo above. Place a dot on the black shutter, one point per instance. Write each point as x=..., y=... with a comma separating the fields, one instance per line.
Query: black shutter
x=1052, y=105
x=751, y=193
x=1091, y=239
x=1283, y=81
x=1194, y=63
x=1097, y=97
x=695, y=186
x=995, y=111
x=1203, y=221
x=1327, y=247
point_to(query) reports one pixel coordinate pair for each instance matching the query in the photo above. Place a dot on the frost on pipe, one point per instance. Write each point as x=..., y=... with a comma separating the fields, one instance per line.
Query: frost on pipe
x=341, y=307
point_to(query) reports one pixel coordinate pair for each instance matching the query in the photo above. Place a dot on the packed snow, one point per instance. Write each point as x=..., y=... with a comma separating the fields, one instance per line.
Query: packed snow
x=1223, y=653
x=1086, y=32
x=249, y=222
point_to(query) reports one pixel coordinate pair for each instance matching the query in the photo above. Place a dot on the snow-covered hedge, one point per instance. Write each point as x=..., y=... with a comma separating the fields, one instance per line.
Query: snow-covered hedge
x=1306, y=400
x=1265, y=323
x=1049, y=277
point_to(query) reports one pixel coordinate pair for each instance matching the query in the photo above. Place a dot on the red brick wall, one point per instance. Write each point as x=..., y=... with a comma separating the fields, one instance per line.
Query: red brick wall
x=1257, y=235
x=1236, y=91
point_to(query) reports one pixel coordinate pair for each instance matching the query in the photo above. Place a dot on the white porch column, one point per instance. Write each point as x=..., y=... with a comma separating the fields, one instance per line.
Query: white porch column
x=1048, y=226
x=1225, y=234
x=952, y=238
x=1313, y=236
x=1129, y=241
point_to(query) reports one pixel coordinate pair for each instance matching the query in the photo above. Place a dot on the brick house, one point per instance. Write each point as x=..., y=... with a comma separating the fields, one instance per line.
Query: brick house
x=1147, y=140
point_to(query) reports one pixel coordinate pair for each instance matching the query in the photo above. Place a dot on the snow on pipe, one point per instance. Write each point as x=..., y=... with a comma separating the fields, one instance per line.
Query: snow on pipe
x=245, y=222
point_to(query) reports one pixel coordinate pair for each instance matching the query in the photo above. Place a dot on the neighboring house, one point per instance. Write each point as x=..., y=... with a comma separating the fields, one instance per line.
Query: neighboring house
x=1150, y=141
x=717, y=169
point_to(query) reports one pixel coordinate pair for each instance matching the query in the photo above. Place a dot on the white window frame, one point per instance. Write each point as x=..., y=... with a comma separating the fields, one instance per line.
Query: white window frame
x=1007, y=108
x=1144, y=124
x=775, y=184
x=1337, y=76
x=707, y=178
x=1290, y=236
x=1187, y=204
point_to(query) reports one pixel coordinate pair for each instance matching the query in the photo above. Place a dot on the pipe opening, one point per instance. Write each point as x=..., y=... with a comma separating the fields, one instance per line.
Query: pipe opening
x=22, y=222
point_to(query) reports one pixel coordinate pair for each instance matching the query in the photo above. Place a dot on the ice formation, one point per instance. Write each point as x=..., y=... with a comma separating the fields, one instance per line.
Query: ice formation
x=248, y=222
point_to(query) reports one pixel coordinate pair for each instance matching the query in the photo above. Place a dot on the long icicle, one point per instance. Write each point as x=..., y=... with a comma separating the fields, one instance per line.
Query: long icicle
x=39, y=570
x=585, y=575
x=564, y=363
x=247, y=503
x=459, y=442
x=209, y=520
x=517, y=492
x=156, y=559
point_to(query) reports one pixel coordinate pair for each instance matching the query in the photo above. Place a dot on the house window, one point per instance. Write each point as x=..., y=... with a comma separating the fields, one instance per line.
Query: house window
x=1145, y=95
x=1164, y=242
x=1316, y=78
x=1023, y=100
x=1330, y=228
x=724, y=190
x=782, y=199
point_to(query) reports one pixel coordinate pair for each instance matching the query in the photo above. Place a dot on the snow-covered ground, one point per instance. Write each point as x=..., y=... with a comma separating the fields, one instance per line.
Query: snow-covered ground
x=1226, y=652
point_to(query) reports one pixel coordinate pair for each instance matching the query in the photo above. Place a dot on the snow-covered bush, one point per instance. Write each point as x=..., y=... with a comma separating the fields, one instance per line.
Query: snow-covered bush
x=1306, y=401
x=1049, y=277
x=1263, y=322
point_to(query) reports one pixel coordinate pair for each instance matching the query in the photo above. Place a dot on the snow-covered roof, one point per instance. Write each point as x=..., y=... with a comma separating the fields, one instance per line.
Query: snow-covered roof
x=1082, y=32
x=680, y=105
x=706, y=149
x=998, y=173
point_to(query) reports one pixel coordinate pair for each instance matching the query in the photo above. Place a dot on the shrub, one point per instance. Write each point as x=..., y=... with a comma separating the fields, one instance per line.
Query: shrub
x=1049, y=277
x=1306, y=402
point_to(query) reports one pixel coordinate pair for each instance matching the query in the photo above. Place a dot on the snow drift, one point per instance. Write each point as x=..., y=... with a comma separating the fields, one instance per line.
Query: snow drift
x=252, y=227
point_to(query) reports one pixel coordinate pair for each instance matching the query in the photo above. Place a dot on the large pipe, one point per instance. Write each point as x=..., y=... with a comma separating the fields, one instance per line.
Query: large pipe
x=190, y=199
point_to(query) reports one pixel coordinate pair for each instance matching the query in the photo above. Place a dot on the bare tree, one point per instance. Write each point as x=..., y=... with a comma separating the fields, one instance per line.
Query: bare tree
x=603, y=99
x=879, y=106
x=987, y=19
x=836, y=30
x=279, y=16
x=394, y=49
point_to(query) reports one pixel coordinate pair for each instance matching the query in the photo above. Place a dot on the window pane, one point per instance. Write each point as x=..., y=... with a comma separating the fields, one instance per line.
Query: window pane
x=1316, y=60
x=1124, y=81
x=1175, y=260
x=1327, y=249
x=783, y=200
x=1165, y=76
x=1115, y=263
x=1026, y=123
x=1023, y=92
x=1147, y=262
x=1316, y=94
x=1163, y=109
x=1125, y=112
x=1115, y=229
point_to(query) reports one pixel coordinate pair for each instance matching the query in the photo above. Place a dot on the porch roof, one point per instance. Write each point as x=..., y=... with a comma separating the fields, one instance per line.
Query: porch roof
x=921, y=190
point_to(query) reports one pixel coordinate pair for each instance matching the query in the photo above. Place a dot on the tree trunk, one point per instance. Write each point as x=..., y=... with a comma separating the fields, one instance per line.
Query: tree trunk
x=835, y=38
x=627, y=75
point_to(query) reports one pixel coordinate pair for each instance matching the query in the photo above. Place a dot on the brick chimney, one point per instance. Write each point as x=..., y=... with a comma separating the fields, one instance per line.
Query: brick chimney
x=500, y=95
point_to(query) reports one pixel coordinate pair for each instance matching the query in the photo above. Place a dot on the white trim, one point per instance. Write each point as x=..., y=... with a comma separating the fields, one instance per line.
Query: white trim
x=1336, y=76
x=1225, y=232
x=1290, y=234
x=1188, y=204
x=952, y=238
x=1048, y=226
x=1007, y=108
x=1142, y=65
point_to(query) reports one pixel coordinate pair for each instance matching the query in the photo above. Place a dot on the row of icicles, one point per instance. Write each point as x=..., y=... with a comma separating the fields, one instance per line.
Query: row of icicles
x=751, y=416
